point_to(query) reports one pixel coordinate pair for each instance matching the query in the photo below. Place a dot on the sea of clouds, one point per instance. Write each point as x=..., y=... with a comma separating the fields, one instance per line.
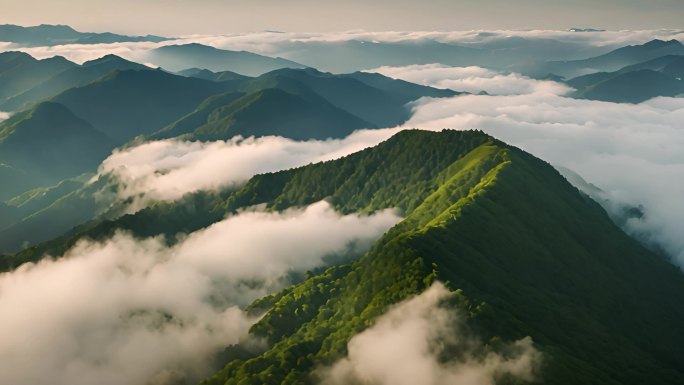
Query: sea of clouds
x=138, y=311
x=131, y=311
x=289, y=45
x=634, y=152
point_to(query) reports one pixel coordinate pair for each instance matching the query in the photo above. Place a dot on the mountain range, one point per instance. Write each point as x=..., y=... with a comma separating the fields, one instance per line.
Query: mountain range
x=182, y=57
x=616, y=59
x=50, y=35
x=634, y=83
x=525, y=251
x=74, y=130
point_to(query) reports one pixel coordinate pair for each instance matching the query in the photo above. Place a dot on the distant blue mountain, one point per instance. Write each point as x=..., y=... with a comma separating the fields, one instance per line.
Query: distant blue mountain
x=46, y=34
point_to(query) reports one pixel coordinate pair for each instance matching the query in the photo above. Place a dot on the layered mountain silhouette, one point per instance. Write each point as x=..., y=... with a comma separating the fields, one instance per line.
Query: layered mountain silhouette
x=125, y=104
x=74, y=76
x=634, y=83
x=46, y=34
x=76, y=129
x=310, y=104
x=181, y=57
x=619, y=58
x=50, y=143
x=20, y=72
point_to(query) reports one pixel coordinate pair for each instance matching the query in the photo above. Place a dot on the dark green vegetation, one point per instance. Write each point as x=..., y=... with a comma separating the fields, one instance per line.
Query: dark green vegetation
x=181, y=57
x=46, y=34
x=530, y=254
x=72, y=116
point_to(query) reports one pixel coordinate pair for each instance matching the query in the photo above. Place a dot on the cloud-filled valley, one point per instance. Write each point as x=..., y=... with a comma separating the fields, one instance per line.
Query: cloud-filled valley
x=138, y=311
x=139, y=264
x=632, y=151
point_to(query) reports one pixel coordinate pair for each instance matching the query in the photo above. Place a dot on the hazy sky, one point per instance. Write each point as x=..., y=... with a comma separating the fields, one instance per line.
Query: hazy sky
x=176, y=17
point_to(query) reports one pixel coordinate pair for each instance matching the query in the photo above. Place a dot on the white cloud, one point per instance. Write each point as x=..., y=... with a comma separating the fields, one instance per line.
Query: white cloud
x=403, y=347
x=4, y=116
x=633, y=152
x=286, y=44
x=129, y=311
x=472, y=79
x=167, y=170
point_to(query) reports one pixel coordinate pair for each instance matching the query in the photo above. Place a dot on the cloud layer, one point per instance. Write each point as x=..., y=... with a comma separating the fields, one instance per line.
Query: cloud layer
x=406, y=346
x=129, y=311
x=169, y=169
x=633, y=152
x=289, y=45
x=472, y=79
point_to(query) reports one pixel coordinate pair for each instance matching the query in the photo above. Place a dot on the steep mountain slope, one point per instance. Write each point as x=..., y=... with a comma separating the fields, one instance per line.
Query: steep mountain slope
x=125, y=104
x=72, y=77
x=321, y=105
x=276, y=112
x=20, y=72
x=8, y=215
x=45, y=212
x=14, y=181
x=619, y=58
x=373, y=99
x=181, y=57
x=63, y=206
x=46, y=34
x=538, y=257
x=530, y=254
x=51, y=143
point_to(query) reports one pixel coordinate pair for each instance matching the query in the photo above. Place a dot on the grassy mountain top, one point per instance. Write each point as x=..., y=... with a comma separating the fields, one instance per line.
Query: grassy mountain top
x=530, y=254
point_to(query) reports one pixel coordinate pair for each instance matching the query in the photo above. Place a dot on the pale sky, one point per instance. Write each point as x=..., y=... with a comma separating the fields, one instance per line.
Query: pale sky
x=182, y=17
